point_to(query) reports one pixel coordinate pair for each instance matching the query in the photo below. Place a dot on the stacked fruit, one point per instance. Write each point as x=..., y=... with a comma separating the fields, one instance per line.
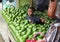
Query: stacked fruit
x=19, y=26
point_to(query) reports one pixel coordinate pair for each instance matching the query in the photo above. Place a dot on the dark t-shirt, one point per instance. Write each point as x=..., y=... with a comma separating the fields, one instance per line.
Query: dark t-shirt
x=34, y=19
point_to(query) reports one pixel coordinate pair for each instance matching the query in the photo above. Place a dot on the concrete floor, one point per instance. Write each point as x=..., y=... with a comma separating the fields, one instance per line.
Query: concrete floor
x=5, y=33
x=1, y=39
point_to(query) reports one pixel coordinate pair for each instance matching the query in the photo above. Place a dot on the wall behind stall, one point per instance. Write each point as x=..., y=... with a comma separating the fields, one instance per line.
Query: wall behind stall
x=24, y=2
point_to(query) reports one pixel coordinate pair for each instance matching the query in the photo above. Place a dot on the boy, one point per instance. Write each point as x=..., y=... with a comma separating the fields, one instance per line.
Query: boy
x=33, y=18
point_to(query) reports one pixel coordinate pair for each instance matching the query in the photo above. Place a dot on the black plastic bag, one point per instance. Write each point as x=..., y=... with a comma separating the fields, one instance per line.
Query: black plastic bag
x=0, y=0
x=41, y=5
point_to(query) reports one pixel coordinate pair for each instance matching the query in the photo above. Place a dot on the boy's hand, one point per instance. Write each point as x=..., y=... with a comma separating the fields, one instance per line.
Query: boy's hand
x=42, y=20
x=30, y=21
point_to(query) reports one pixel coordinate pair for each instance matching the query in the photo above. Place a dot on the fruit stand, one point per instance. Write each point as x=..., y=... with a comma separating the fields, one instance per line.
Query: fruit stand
x=20, y=28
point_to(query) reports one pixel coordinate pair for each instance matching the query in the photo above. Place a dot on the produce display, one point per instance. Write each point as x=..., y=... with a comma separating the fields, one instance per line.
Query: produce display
x=19, y=26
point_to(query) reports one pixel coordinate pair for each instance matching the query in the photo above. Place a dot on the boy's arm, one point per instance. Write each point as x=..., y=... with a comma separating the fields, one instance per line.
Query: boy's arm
x=42, y=20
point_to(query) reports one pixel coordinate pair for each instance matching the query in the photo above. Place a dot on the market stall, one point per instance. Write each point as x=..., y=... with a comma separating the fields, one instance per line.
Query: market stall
x=19, y=26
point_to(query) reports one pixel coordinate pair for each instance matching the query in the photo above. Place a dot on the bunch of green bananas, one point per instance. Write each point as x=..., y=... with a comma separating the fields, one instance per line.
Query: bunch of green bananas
x=20, y=28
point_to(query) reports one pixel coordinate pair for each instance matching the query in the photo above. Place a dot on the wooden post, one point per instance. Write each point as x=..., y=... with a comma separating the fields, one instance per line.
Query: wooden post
x=31, y=3
x=17, y=3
